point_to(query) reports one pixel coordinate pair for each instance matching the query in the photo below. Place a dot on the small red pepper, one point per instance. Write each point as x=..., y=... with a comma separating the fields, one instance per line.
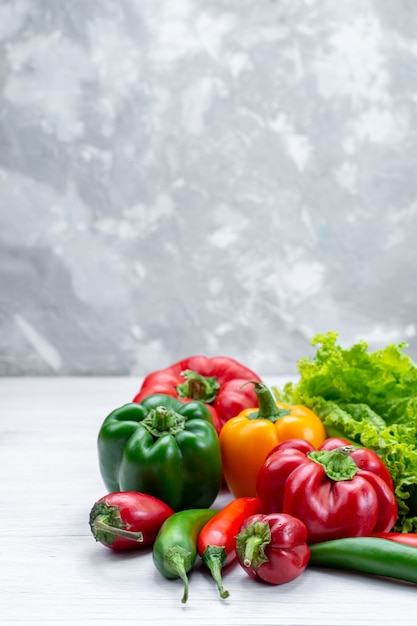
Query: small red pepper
x=273, y=548
x=128, y=520
x=217, y=539
x=328, y=491
x=216, y=381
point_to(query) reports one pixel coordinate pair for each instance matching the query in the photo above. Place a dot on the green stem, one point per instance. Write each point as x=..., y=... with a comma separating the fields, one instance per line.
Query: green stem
x=337, y=463
x=268, y=408
x=251, y=543
x=214, y=557
x=197, y=387
x=162, y=418
x=106, y=524
x=177, y=561
x=102, y=527
x=161, y=421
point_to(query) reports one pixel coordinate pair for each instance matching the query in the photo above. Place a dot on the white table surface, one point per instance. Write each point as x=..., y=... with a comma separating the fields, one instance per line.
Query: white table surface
x=53, y=572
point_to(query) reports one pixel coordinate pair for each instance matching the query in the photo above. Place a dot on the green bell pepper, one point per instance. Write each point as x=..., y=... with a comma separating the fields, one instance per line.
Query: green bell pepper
x=162, y=447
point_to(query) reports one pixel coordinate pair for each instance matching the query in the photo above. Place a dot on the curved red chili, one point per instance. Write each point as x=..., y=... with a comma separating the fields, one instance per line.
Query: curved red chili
x=217, y=540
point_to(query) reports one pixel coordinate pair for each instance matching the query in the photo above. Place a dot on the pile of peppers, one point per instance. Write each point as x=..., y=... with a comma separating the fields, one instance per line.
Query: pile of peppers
x=299, y=497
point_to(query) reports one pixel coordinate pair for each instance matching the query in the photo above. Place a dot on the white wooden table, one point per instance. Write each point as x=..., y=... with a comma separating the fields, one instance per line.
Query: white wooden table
x=53, y=572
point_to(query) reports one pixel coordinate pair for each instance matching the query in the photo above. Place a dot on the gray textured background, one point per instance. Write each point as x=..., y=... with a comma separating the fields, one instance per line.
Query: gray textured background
x=219, y=177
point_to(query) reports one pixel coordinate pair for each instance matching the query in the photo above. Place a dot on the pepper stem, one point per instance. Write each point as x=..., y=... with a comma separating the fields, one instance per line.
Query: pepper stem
x=338, y=464
x=102, y=527
x=177, y=561
x=214, y=557
x=106, y=524
x=268, y=408
x=198, y=387
x=251, y=543
x=161, y=420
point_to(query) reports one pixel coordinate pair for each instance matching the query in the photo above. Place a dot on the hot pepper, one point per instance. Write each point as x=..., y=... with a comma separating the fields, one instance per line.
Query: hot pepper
x=217, y=539
x=216, y=381
x=371, y=555
x=327, y=491
x=162, y=447
x=246, y=439
x=127, y=520
x=273, y=548
x=175, y=549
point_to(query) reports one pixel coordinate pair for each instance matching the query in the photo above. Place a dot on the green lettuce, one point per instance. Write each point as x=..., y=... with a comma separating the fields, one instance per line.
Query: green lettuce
x=369, y=398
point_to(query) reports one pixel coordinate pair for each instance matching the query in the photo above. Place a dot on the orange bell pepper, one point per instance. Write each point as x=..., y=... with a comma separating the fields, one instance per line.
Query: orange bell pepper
x=247, y=439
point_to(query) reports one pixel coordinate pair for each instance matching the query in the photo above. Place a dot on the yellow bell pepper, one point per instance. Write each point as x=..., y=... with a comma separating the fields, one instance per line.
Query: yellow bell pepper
x=247, y=439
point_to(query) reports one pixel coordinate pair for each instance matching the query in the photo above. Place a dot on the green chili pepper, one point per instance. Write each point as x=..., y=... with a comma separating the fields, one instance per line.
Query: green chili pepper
x=372, y=555
x=175, y=548
x=162, y=447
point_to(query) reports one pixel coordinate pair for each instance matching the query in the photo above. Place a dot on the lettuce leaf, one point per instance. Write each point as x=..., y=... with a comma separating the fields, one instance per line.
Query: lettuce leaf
x=369, y=398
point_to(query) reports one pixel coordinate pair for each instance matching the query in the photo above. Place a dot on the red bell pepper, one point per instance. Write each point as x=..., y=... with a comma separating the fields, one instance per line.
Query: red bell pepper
x=273, y=548
x=328, y=491
x=216, y=381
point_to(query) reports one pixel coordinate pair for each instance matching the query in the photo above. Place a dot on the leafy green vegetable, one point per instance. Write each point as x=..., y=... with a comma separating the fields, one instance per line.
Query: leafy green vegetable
x=369, y=398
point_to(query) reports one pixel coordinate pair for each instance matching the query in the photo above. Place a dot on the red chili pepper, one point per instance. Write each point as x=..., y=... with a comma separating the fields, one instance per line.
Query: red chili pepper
x=328, y=491
x=128, y=520
x=216, y=381
x=273, y=548
x=217, y=539
x=408, y=539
